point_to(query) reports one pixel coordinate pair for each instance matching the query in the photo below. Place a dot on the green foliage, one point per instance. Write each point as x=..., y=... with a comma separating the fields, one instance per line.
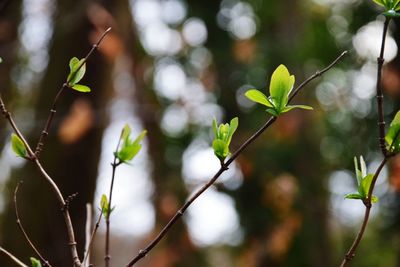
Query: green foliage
x=280, y=87
x=392, y=137
x=364, y=181
x=391, y=7
x=35, y=262
x=104, y=206
x=129, y=148
x=77, y=71
x=18, y=146
x=223, y=136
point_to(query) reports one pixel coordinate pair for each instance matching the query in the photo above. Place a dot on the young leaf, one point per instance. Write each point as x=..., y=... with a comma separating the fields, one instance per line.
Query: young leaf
x=81, y=88
x=18, y=146
x=129, y=148
x=35, y=262
x=290, y=107
x=280, y=86
x=75, y=75
x=258, y=97
x=353, y=196
x=104, y=206
x=221, y=150
x=233, y=126
x=392, y=138
x=366, y=184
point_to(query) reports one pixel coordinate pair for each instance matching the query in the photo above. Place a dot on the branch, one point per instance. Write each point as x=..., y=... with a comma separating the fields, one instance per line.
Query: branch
x=11, y=256
x=88, y=246
x=45, y=262
x=224, y=167
x=367, y=202
x=379, y=94
x=53, y=109
x=32, y=157
x=114, y=165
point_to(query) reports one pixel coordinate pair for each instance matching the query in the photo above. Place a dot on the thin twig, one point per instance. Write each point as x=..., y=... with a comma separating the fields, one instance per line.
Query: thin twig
x=379, y=94
x=224, y=167
x=11, y=256
x=53, y=109
x=53, y=185
x=44, y=261
x=368, y=205
x=88, y=228
x=88, y=246
x=114, y=165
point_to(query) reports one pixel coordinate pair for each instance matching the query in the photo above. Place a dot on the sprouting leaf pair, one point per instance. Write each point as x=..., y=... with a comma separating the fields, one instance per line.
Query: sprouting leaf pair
x=391, y=6
x=129, y=148
x=77, y=71
x=104, y=206
x=280, y=87
x=223, y=136
x=35, y=262
x=364, y=181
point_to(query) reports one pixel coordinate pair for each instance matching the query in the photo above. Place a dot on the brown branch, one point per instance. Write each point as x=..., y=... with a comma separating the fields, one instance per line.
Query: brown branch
x=44, y=261
x=53, y=109
x=32, y=157
x=11, y=256
x=379, y=94
x=114, y=165
x=224, y=167
x=368, y=205
x=85, y=260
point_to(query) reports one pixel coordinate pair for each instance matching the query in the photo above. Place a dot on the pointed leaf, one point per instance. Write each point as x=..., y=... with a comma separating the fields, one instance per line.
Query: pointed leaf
x=353, y=196
x=379, y=2
x=18, y=146
x=280, y=86
x=126, y=131
x=221, y=150
x=363, y=167
x=215, y=128
x=81, y=88
x=290, y=107
x=35, y=262
x=358, y=172
x=392, y=137
x=366, y=184
x=76, y=75
x=104, y=205
x=258, y=97
x=140, y=137
x=233, y=126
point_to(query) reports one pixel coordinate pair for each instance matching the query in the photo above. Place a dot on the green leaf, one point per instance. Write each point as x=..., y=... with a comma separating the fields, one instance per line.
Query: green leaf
x=379, y=2
x=374, y=199
x=392, y=13
x=290, y=107
x=129, y=148
x=104, y=206
x=392, y=137
x=272, y=112
x=18, y=146
x=232, y=128
x=358, y=172
x=35, y=262
x=75, y=75
x=365, y=185
x=280, y=86
x=221, y=149
x=363, y=167
x=353, y=196
x=81, y=88
x=258, y=97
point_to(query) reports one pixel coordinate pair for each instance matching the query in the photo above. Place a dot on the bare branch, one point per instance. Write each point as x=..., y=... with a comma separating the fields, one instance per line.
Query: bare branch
x=11, y=256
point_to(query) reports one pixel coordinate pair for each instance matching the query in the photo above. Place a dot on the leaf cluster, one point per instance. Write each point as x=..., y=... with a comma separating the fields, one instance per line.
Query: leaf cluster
x=223, y=136
x=77, y=71
x=280, y=87
x=391, y=7
x=129, y=148
x=364, y=181
x=104, y=206
x=35, y=262
x=392, y=138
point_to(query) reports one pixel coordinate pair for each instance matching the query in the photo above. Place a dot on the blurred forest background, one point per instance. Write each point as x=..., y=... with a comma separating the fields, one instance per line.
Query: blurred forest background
x=171, y=66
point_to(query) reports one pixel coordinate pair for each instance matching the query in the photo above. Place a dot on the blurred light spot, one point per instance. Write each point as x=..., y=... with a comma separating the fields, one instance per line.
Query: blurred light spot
x=200, y=154
x=243, y=27
x=194, y=32
x=201, y=114
x=174, y=121
x=174, y=11
x=146, y=12
x=169, y=80
x=367, y=42
x=159, y=39
x=241, y=99
x=360, y=108
x=200, y=58
x=213, y=220
x=364, y=82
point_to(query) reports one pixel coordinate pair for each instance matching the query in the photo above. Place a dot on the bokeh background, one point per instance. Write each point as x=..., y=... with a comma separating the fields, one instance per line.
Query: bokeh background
x=171, y=66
